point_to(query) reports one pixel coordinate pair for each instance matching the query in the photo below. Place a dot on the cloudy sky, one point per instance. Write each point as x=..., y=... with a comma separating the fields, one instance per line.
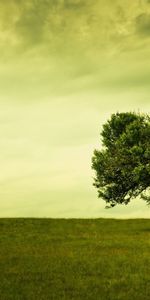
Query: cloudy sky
x=65, y=66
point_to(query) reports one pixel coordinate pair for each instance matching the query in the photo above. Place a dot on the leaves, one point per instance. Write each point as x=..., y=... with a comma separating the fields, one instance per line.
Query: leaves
x=123, y=165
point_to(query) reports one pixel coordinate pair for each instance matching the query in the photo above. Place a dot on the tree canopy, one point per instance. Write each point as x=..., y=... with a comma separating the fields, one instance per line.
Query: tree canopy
x=122, y=166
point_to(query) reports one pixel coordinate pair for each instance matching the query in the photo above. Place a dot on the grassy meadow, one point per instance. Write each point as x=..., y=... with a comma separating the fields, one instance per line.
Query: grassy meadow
x=97, y=259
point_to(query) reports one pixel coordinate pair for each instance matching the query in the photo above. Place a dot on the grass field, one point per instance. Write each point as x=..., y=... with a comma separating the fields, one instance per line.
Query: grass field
x=57, y=259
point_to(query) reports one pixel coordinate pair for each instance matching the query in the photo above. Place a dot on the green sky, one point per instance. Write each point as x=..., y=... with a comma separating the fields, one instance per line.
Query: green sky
x=65, y=66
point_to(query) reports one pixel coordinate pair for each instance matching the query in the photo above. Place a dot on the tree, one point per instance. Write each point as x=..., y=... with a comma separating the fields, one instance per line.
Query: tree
x=122, y=166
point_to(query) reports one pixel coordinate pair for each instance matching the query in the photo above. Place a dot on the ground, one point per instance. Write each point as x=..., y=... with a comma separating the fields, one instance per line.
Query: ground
x=55, y=259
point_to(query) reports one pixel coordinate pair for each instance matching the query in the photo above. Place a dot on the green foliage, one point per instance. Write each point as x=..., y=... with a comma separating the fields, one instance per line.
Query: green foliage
x=123, y=165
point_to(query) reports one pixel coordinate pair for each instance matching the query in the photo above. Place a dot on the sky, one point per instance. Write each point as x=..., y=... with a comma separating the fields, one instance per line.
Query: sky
x=65, y=67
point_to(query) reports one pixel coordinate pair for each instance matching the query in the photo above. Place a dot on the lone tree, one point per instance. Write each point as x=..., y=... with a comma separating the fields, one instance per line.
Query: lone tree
x=123, y=164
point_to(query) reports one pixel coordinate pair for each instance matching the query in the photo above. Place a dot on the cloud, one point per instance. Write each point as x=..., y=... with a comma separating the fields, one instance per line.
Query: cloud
x=74, y=25
x=75, y=4
x=84, y=30
x=143, y=24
